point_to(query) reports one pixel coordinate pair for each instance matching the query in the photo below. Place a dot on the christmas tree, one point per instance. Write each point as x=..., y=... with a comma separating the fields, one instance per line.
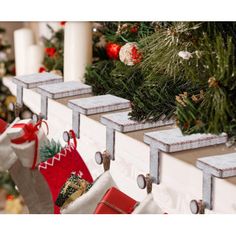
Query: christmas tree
x=54, y=50
x=6, y=68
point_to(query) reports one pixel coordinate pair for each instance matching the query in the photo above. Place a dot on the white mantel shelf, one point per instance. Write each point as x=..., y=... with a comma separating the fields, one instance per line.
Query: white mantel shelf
x=181, y=181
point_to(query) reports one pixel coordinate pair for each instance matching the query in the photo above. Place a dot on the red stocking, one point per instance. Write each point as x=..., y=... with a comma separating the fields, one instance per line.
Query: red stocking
x=57, y=170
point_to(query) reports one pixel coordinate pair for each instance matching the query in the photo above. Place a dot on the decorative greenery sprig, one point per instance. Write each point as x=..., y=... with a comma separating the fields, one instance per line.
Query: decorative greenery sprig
x=114, y=77
x=161, y=49
x=216, y=75
x=49, y=149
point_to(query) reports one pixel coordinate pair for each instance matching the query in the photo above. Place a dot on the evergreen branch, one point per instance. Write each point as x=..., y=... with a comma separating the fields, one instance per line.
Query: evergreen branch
x=49, y=149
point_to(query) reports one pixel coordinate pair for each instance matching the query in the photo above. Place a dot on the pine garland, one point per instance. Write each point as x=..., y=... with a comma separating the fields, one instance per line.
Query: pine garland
x=123, y=32
x=114, y=77
x=161, y=49
x=187, y=71
x=216, y=74
x=155, y=99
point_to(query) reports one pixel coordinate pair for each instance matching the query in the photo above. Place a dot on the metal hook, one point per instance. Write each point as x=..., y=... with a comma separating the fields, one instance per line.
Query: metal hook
x=103, y=158
x=145, y=182
x=197, y=207
x=66, y=136
x=36, y=118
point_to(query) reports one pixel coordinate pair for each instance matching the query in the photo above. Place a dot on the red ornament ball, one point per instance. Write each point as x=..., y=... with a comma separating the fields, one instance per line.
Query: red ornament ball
x=50, y=51
x=112, y=50
x=134, y=29
x=10, y=197
x=62, y=23
x=42, y=69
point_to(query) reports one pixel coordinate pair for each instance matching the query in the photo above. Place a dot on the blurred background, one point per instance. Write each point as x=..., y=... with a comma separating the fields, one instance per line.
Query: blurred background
x=40, y=33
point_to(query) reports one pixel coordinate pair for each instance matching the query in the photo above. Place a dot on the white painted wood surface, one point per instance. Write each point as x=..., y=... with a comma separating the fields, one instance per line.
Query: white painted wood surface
x=221, y=166
x=98, y=104
x=121, y=122
x=64, y=89
x=34, y=80
x=181, y=180
x=173, y=140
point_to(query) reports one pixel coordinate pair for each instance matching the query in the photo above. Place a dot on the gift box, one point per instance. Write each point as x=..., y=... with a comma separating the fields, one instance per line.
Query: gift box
x=7, y=155
x=17, y=130
x=74, y=187
x=3, y=126
x=86, y=203
x=26, y=139
x=115, y=202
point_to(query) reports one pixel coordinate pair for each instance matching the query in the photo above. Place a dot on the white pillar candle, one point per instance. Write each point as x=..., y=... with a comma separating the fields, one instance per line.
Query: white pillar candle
x=22, y=39
x=34, y=58
x=77, y=50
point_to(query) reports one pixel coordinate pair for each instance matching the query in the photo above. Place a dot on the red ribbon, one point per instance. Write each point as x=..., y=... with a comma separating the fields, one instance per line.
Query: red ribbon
x=73, y=136
x=30, y=134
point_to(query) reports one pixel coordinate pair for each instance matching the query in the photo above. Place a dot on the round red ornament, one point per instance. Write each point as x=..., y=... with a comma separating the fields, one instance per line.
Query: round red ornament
x=42, y=69
x=50, y=51
x=112, y=50
x=134, y=29
x=62, y=23
x=10, y=197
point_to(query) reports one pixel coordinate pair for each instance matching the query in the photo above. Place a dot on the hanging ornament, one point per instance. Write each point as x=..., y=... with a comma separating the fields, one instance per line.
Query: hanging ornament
x=50, y=51
x=62, y=23
x=134, y=29
x=112, y=50
x=121, y=28
x=42, y=69
x=129, y=54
